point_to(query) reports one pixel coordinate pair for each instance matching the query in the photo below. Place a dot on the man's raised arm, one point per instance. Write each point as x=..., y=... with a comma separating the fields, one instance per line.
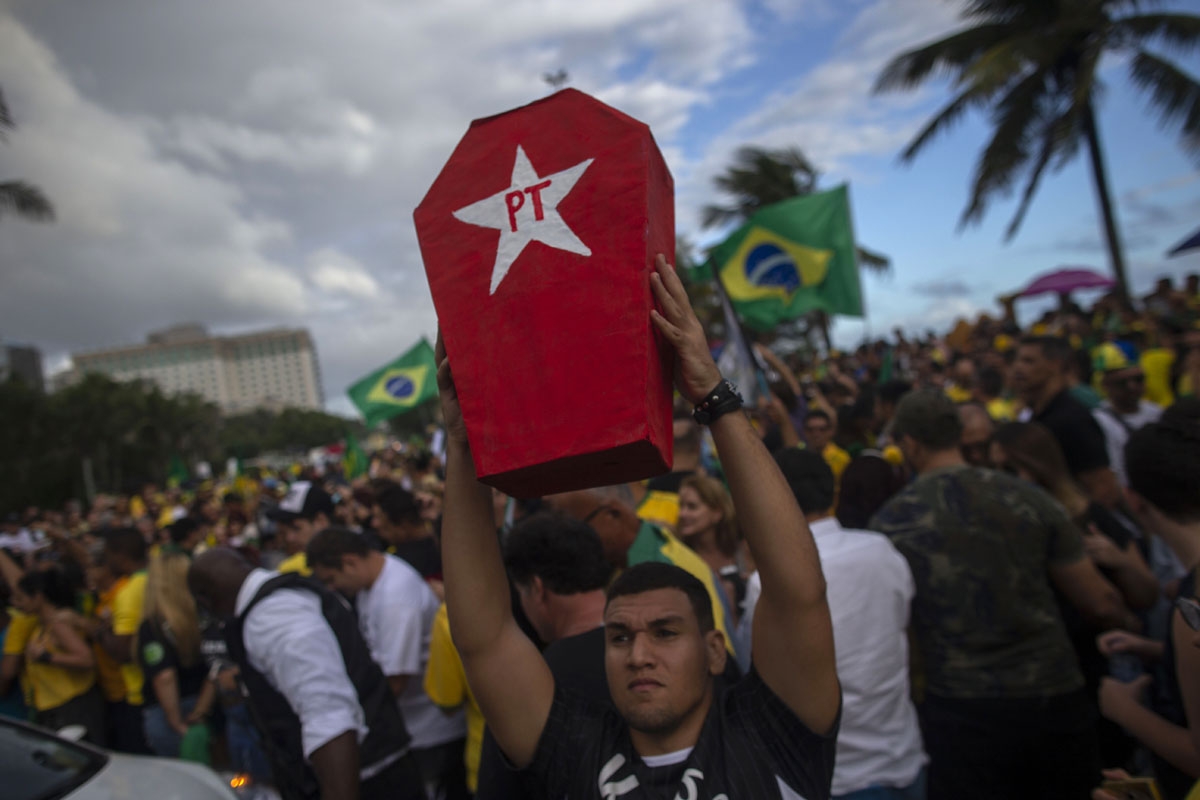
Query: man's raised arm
x=510, y=680
x=793, y=636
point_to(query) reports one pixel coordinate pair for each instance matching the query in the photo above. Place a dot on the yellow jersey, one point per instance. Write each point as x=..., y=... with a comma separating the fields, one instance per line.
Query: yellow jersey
x=446, y=685
x=298, y=562
x=53, y=685
x=126, y=617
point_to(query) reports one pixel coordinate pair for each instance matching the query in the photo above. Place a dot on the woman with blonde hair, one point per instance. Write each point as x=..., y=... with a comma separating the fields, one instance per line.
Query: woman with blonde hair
x=707, y=525
x=168, y=651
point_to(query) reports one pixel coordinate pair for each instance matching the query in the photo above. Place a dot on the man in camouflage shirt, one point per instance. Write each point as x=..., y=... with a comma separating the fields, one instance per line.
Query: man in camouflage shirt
x=1004, y=713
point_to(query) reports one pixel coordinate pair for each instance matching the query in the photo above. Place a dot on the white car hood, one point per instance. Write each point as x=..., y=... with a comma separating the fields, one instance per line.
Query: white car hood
x=139, y=778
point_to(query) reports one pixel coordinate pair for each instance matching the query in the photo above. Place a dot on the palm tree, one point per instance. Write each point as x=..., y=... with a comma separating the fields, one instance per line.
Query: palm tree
x=23, y=199
x=1032, y=65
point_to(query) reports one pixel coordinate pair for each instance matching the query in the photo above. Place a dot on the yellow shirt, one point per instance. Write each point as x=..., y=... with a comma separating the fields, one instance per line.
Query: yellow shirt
x=126, y=617
x=446, y=685
x=108, y=671
x=296, y=563
x=20, y=631
x=837, y=459
x=53, y=685
x=958, y=394
x=1157, y=364
x=1001, y=410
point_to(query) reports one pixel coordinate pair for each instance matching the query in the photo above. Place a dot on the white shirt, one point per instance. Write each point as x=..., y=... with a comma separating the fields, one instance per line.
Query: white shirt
x=1116, y=434
x=868, y=588
x=396, y=615
x=288, y=640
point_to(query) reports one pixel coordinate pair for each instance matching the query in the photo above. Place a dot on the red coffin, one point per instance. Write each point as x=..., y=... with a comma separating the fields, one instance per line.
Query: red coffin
x=538, y=238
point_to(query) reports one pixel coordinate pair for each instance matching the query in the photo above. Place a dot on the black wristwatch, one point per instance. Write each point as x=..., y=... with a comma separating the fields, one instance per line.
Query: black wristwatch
x=722, y=399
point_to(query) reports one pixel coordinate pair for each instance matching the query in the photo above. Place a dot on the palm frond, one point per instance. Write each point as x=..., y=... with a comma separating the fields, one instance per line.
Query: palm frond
x=1016, y=117
x=1059, y=143
x=25, y=200
x=875, y=262
x=1178, y=31
x=1174, y=93
x=954, y=52
x=6, y=120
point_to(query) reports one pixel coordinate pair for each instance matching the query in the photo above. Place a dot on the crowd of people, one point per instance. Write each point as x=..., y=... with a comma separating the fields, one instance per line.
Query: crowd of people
x=942, y=567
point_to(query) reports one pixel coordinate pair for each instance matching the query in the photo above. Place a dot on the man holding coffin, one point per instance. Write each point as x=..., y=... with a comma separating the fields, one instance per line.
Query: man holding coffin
x=771, y=735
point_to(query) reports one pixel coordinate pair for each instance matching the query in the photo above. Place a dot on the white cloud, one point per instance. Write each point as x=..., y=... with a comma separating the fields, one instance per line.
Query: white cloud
x=338, y=273
x=830, y=112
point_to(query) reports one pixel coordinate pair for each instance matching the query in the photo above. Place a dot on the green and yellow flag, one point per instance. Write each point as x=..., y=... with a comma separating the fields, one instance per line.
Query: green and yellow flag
x=791, y=258
x=354, y=459
x=397, y=387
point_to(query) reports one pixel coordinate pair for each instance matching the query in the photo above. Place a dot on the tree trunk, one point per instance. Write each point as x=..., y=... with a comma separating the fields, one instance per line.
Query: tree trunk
x=1100, y=175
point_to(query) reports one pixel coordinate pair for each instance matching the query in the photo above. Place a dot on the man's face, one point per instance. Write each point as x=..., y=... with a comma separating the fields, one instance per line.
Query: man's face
x=1031, y=370
x=348, y=580
x=976, y=438
x=296, y=533
x=818, y=432
x=1125, y=387
x=659, y=664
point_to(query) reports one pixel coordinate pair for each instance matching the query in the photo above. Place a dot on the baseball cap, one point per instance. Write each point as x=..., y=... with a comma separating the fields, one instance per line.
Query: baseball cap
x=302, y=501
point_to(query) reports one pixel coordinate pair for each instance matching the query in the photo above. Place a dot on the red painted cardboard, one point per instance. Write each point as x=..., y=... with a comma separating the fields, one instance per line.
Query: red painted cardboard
x=538, y=238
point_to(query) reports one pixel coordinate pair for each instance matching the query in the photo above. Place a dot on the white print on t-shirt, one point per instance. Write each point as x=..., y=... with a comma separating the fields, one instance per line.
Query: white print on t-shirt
x=610, y=790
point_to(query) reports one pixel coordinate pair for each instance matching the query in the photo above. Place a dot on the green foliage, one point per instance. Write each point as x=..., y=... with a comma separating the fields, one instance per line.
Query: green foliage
x=130, y=433
x=291, y=430
x=18, y=197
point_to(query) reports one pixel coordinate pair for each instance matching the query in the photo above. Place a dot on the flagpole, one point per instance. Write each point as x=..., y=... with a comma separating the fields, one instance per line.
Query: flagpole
x=763, y=388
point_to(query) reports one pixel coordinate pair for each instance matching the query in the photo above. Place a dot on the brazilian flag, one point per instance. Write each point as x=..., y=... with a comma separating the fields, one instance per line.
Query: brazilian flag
x=791, y=258
x=354, y=459
x=397, y=387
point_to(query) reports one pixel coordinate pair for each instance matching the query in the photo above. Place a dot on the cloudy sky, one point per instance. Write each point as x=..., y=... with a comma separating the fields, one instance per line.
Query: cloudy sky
x=254, y=164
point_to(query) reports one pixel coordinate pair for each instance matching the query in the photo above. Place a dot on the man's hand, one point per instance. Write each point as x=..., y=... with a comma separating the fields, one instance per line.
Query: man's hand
x=1121, y=642
x=456, y=430
x=696, y=373
x=1102, y=550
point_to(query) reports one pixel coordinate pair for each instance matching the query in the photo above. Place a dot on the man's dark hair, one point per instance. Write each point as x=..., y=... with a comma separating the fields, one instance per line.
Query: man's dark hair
x=929, y=417
x=564, y=552
x=892, y=391
x=817, y=413
x=651, y=575
x=398, y=504
x=182, y=528
x=809, y=477
x=1163, y=463
x=328, y=546
x=52, y=584
x=125, y=542
x=991, y=382
x=1054, y=348
x=1185, y=409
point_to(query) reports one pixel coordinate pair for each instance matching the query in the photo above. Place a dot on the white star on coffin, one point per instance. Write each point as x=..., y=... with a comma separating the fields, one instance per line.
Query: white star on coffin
x=527, y=211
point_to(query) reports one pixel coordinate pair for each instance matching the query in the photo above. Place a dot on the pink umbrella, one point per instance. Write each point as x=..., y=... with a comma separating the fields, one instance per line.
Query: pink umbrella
x=1065, y=280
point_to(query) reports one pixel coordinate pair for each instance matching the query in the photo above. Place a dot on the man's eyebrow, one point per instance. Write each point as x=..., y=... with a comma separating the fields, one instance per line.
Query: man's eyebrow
x=674, y=619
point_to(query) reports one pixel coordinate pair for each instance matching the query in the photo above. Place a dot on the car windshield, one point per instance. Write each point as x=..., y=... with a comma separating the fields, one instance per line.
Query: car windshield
x=37, y=765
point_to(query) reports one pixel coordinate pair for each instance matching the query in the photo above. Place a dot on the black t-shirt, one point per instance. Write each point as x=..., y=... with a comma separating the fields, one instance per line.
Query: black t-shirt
x=751, y=745
x=423, y=555
x=1078, y=433
x=157, y=652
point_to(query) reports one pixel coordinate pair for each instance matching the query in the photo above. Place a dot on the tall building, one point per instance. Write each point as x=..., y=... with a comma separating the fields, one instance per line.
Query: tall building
x=271, y=369
x=21, y=362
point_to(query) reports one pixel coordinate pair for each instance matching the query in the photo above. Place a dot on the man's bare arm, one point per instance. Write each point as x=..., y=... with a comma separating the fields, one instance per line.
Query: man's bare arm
x=793, y=635
x=506, y=673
